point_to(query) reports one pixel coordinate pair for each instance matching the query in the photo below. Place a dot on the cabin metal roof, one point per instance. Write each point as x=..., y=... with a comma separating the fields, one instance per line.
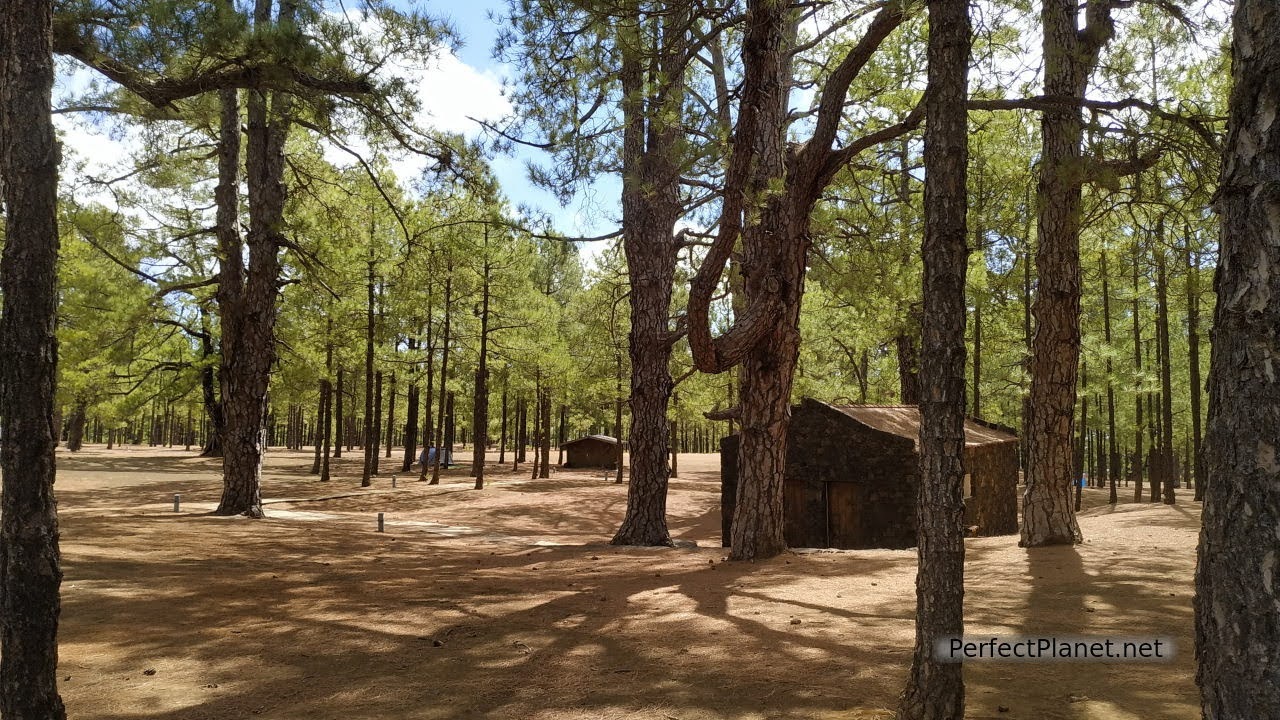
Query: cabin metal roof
x=904, y=421
x=599, y=438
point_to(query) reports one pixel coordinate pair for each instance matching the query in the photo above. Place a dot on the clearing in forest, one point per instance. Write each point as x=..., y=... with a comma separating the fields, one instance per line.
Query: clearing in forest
x=508, y=603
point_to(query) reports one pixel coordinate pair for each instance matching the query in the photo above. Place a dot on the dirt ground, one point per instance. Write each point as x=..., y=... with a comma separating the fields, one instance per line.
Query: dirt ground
x=508, y=603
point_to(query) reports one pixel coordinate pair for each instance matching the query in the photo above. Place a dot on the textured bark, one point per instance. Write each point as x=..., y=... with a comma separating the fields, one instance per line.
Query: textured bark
x=370, y=411
x=651, y=204
x=428, y=397
x=30, y=562
x=444, y=376
x=1070, y=54
x=1138, y=460
x=1237, y=595
x=208, y=392
x=480, y=406
x=391, y=416
x=502, y=439
x=320, y=411
x=560, y=438
x=75, y=427
x=247, y=295
x=935, y=690
x=1113, y=450
x=411, y=414
x=374, y=441
x=771, y=187
x=1168, y=462
x=544, y=469
x=977, y=355
x=339, y=425
x=908, y=369
x=1193, y=362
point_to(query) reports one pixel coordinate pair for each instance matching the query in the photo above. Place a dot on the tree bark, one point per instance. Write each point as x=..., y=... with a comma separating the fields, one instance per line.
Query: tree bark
x=75, y=427
x=480, y=405
x=370, y=411
x=1138, y=461
x=544, y=470
x=30, y=561
x=444, y=376
x=935, y=690
x=1237, y=636
x=1113, y=450
x=411, y=412
x=1168, y=457
x=1070, y=54
x=339, y=420
x=208, y=390
x=1193, y=361
x=320, y=410
x=651, y=204
x=391, y=416
x=502, y=441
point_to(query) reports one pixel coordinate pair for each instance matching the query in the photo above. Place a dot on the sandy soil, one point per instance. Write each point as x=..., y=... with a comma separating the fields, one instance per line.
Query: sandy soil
x=507, y=603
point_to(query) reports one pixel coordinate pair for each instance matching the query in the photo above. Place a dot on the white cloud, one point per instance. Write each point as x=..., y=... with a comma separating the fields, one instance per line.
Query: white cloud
x=452, y=91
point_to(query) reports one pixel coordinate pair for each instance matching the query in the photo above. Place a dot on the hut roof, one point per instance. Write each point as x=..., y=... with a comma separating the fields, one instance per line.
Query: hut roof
x=904, y=421
x=597, y=438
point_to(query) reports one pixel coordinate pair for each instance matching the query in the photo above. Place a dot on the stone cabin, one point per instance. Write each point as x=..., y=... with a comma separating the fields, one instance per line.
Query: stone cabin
x=592, y=451
x=853, y=470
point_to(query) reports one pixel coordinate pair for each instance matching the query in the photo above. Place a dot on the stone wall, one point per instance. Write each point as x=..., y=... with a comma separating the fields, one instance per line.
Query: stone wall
x=993, y=473
x=848, y=486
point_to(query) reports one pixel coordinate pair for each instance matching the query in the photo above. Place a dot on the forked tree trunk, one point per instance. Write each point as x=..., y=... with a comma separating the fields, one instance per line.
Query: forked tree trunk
x=1069, y=57
x=1237, y=593
x=30, y=563
x=935, y=689
x=771, y=188
x=650, y=207
x=247, y=295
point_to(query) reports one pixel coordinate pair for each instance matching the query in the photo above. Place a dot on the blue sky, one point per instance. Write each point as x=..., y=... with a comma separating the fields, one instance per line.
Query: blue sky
x=468, y=83
x=595, y=212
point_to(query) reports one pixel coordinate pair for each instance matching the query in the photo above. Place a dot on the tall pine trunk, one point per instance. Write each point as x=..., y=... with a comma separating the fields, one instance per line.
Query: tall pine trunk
x=30, y=562
x=480, y=404
x=935, y=690
x=1193, y=361
x=651, y=205
x=441, y=435
x=1070, y=54
x=370, y=411
x=1237, y=635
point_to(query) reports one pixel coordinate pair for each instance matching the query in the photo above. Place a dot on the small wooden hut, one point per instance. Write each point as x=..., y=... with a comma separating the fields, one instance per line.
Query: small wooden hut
x=592, y=451
x=853, y=470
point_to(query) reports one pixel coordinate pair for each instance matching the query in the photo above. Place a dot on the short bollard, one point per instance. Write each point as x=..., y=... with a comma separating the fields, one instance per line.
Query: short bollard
x=393, y=481
x=177, y=502
x=380, y=525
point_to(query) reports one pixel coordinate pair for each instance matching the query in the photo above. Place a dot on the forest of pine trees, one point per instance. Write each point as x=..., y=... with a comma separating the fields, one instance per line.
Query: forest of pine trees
x=1056, y=216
